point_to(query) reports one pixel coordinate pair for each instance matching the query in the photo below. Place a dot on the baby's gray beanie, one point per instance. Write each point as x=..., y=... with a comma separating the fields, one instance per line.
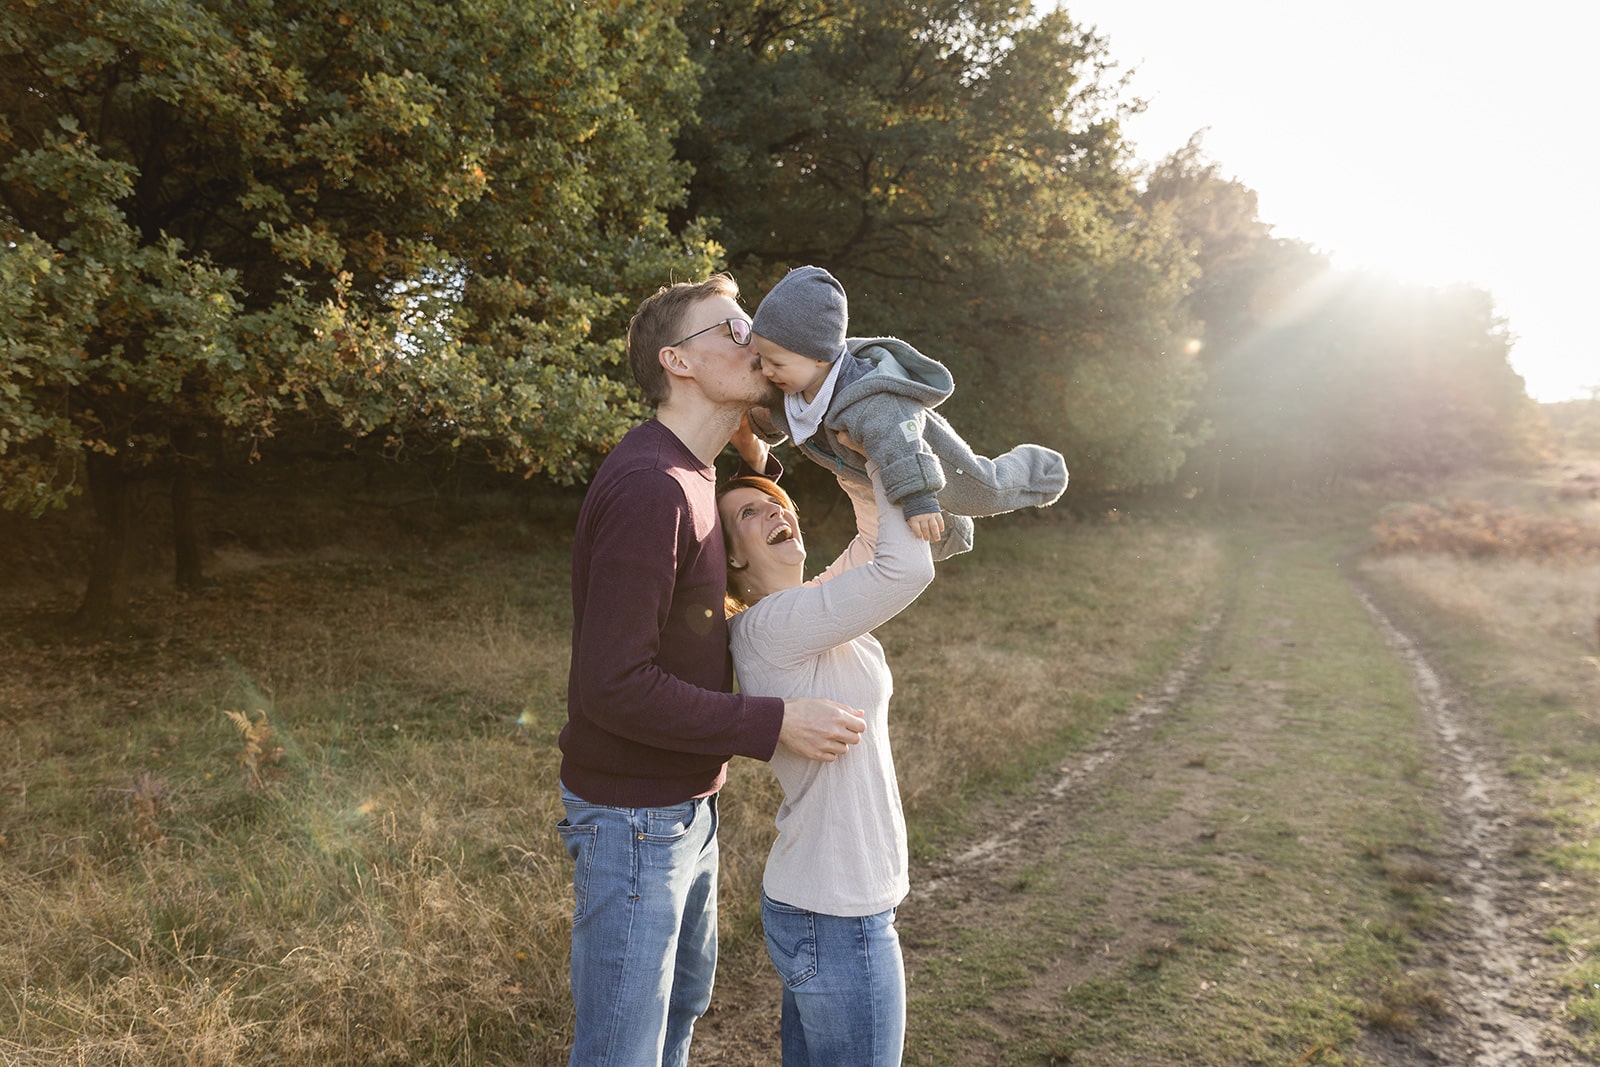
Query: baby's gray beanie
x=806, y=313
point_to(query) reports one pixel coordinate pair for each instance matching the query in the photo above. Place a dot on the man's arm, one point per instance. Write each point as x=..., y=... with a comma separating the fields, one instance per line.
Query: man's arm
x=629, y=578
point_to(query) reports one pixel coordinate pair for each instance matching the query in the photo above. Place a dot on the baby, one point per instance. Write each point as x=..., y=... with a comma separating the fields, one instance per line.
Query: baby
x=880, y=393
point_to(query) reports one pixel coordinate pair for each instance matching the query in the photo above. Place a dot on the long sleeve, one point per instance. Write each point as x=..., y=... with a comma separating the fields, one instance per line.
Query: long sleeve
x=883, y=569
x=651, y=716
x=630, y=654
x=888, y=427
x=841, y=845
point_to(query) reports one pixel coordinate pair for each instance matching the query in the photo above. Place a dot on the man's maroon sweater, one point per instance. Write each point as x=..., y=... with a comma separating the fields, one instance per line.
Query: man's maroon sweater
x=651, y=719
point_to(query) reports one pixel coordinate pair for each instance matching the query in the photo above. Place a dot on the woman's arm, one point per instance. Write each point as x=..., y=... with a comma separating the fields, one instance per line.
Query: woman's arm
x=882, y=571
x=752, y=449
x=863, y=546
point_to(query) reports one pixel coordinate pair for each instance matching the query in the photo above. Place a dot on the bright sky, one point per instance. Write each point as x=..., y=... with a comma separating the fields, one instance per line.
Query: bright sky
x=1435, y=140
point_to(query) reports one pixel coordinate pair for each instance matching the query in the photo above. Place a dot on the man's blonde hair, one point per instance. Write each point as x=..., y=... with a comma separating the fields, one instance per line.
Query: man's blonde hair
x=657, y=323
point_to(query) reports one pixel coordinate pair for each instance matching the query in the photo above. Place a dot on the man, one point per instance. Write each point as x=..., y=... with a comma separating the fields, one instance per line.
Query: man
x=651, y=721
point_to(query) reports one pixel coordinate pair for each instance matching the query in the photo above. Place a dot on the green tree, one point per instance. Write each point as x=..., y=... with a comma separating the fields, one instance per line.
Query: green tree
x=1243, y=273
x=402, y=218
x=959, y=165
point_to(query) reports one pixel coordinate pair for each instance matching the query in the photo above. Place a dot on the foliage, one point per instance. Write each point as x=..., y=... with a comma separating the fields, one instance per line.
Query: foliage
x=1577, y=422
x=421, y=219
x=959, y=166
x=1243, y=274
x=420, y=226
x=261, y=754
x=1474, y=529
x=1373, y=377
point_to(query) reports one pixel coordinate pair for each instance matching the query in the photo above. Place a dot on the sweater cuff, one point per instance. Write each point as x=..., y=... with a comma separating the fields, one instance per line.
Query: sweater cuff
x=910, y=475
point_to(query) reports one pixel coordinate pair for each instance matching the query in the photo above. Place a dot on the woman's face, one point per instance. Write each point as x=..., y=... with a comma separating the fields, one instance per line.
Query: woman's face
x=764, y=544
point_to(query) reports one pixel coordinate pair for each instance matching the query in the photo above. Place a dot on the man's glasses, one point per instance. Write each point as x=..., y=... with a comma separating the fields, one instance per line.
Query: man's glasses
x=738, y=330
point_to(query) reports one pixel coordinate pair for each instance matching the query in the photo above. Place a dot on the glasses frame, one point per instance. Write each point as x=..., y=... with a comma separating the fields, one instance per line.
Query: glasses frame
x=728, y=322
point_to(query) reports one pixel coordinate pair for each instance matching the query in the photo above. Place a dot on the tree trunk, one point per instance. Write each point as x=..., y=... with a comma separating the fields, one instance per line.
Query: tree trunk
x=185, y=529
x=105, y=600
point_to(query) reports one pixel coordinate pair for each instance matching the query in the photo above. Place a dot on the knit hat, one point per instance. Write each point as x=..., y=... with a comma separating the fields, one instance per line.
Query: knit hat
x=806, y=313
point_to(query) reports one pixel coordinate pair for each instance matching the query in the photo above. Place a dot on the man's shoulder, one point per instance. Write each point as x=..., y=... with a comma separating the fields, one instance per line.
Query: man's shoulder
x=647, y=448
x=649, y=470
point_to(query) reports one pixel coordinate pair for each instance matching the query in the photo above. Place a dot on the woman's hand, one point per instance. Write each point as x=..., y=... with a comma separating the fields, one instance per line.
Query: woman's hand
x=752, y=449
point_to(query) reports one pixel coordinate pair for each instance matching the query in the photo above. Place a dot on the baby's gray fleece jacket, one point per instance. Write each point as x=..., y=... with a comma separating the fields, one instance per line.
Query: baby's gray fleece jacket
x=884, y=399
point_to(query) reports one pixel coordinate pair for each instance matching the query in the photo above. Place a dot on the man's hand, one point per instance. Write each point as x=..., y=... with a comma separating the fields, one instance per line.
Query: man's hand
x=752, y=449
x=929, y=527
x=820, y=729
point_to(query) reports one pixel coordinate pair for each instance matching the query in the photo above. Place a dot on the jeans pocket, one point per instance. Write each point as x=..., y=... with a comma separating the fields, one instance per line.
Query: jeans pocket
x=580, y=844
x=666, y=826
x=791, y=941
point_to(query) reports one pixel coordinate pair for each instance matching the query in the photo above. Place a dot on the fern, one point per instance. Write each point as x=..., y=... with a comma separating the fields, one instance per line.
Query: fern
x=260, y=756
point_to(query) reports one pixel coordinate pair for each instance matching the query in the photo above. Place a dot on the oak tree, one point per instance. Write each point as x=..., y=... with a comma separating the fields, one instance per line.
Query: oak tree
x=959, y=165
x=403, y=219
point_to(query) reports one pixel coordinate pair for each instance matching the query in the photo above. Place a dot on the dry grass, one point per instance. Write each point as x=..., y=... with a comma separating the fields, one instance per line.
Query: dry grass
x=1523, y=636
x=1400, y=1006
x=384, y=889
x=378, y=881
x=1547, y=615
x=1472, y=528
x=1025, y=649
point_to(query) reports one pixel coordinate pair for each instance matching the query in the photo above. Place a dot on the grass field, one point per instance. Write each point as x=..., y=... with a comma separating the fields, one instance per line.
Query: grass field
x=1245, y=883
x=359, y=865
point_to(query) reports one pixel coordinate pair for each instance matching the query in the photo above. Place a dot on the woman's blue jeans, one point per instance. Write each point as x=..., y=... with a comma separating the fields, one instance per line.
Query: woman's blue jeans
x=644, y=928
x=844, y=986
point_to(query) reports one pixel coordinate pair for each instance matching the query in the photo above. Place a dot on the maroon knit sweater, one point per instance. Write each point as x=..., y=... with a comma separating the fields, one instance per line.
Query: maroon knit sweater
x=651, y=719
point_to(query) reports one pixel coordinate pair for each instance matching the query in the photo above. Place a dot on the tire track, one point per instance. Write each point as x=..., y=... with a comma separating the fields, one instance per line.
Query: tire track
x=1112, y=744
x=1504, y=1003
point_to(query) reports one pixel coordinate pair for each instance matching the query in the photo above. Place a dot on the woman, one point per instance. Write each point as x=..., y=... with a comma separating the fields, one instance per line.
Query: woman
x=838, y=869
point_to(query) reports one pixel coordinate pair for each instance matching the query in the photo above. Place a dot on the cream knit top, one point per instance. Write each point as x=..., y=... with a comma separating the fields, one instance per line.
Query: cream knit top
x=841, y=847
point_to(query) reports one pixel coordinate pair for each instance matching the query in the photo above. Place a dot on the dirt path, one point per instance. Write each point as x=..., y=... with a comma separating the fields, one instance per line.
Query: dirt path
x=1501, y=1010
x=1503, y=1000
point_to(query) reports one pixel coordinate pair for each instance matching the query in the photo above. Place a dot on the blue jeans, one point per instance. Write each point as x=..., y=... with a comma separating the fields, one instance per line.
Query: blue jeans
x=844, y=986
x=644, y=928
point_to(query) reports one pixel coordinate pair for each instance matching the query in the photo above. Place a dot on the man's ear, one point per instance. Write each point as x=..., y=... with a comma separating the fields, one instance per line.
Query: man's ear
x=673, y=363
